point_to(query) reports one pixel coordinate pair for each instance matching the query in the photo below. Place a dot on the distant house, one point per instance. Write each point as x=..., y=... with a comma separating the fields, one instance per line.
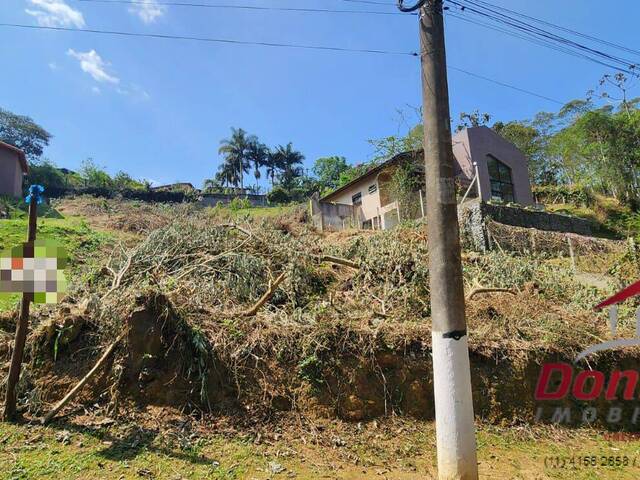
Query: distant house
x=497, y=168
x=174, y=187
x=13, y=167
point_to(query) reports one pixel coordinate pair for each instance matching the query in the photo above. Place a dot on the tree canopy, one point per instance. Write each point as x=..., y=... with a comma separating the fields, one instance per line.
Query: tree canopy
x=22, y=132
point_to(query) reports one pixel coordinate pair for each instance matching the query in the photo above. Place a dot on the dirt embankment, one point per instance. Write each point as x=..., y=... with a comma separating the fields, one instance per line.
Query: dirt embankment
x=348, y=340
x=359, y=373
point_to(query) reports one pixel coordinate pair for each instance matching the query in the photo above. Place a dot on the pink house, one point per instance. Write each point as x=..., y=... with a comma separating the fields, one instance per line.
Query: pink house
x=497, y=169
x=13, y=167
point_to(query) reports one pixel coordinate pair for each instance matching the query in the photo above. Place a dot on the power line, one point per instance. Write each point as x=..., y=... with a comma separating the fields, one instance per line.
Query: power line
x=564, y=29
x=210, y=40
x=470, y=6
x=532, y=39
x=372, y=2
x=507, y=85
x=244, y=7
x=269, y=44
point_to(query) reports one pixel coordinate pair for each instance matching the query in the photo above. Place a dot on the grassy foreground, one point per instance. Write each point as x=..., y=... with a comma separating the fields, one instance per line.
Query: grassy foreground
x=403, y=450
x=79, y=240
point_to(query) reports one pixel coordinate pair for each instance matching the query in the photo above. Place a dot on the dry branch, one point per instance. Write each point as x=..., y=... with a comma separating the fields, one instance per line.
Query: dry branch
x=237, y=227
x=72, y=393
x=338, y=261
x=477, y=291
x=265, y=298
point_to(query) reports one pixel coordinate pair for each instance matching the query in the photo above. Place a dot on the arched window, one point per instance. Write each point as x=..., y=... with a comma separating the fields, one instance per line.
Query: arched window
x=501, y=180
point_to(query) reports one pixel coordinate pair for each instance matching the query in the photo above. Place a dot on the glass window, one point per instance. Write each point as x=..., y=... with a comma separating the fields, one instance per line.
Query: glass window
x=501, y=180
x=357, y=199
x=373, y=188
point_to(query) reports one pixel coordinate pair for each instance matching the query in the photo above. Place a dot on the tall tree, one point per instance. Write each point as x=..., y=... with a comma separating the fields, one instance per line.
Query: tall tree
x=227, y=174
x=272, y=165
x=234, y=152
x=328, y=171
x=289, y=163
x=257, y=155
x=22, y=132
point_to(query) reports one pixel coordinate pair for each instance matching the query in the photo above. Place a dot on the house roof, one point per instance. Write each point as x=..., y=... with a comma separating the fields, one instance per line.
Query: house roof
x=20, y=153
x=378, y=168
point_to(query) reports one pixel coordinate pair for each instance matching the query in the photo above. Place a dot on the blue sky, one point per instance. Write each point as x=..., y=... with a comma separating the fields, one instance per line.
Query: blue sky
x=158, y=108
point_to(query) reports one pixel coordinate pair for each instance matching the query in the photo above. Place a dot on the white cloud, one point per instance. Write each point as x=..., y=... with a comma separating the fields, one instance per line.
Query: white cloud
x=96, y=90
x=55, y=13
x=148, y=10
x=92, y=63
x=53, y=66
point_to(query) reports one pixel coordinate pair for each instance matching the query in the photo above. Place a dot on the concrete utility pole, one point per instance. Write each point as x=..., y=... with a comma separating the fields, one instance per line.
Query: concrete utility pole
x=455, y=431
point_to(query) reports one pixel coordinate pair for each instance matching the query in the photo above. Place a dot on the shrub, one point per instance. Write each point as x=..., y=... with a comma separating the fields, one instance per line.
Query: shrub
x=239, y=204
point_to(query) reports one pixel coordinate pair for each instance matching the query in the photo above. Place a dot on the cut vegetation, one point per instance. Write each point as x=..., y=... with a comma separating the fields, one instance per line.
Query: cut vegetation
x=258, y=321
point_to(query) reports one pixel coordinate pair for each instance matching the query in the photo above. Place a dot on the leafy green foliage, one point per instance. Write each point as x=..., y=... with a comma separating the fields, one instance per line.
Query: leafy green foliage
x=328, y=171
x=310, y=370
x=22, y=132
x=123, y=181
x=387, y=147
x=94, y=176
x=473, y=119
x=239, y=204
x=404, y=184
x=235, y=158
x=46, y=173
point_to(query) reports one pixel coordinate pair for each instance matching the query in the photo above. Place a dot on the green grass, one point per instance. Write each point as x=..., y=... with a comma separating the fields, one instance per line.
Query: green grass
x=34, y=452
x=73, y=233
x=80, y=241
x=250, y=213
x=71, y=451
x=611, y=218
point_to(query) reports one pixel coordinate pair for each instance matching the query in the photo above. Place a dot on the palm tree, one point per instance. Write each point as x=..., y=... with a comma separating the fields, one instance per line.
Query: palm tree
x=257, y=155
x=227, y=174
x=272, y=164
x=213, y=184
x=289, y=162
x=234, y=152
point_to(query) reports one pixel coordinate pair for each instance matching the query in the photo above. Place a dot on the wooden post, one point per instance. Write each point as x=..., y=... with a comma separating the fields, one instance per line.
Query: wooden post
x=572, y=254
x=22, y=326
x=475, y=166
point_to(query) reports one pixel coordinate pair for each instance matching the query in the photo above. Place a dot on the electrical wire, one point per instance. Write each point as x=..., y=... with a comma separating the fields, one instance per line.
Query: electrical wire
x=564, y=29
x=371, y=2
x=267, y=44
x=507, y=85
x=531, y=39
x=470, y=6
x=243, y=7
x=209, y=40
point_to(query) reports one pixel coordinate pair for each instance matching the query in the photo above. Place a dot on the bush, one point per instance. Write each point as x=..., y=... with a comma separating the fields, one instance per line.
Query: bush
x=279, y=195
x=239, y=204
x=574, y=194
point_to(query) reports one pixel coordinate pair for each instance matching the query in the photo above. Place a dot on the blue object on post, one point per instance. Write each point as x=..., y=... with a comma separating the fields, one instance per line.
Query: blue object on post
x=35, y=191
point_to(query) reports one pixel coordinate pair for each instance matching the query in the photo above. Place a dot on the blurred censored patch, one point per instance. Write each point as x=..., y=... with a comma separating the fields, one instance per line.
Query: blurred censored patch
x=35, y=269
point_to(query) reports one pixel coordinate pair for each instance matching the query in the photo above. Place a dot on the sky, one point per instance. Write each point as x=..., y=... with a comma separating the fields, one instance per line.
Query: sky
x=158, y=108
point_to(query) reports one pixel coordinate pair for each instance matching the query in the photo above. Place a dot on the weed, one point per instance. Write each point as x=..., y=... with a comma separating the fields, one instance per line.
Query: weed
x=310, y=370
